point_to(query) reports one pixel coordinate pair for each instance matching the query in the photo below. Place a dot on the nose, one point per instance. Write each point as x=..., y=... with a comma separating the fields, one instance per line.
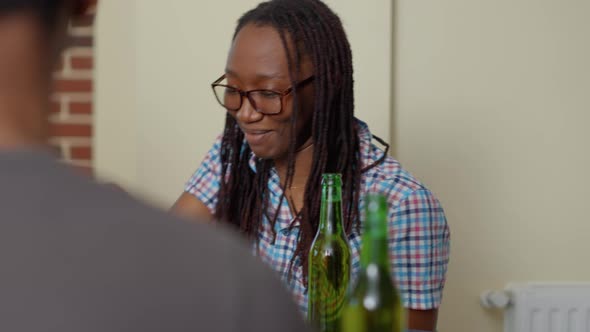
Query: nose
x=247, y=113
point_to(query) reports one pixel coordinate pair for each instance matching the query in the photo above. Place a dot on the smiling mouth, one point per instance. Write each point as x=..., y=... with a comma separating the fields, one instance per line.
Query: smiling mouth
x=255, y=137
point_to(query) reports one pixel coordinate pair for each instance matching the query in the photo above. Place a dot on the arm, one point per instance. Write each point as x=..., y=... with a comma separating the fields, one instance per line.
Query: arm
x=200, y=193
x=422, y=320
x=189, y=207
x=419, y=242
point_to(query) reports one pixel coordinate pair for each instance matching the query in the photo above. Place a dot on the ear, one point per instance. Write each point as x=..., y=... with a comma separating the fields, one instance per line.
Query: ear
x=82, y=7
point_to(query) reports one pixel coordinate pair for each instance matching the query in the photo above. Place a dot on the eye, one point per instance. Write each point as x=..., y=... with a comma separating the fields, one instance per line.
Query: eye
x=268, y=94
x=231, y=91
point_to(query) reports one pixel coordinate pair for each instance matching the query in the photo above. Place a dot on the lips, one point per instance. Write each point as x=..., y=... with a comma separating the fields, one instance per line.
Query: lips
x=255, y=137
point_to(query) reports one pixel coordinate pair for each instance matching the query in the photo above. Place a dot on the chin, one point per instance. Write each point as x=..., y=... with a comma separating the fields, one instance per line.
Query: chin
x=262, y=154
x=265, y=153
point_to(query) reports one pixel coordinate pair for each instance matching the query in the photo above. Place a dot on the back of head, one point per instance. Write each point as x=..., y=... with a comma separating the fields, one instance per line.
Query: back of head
x=46, y=10
x=32, y=34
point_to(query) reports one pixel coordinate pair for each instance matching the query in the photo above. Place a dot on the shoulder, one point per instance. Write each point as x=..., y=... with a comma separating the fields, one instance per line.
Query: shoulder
x=391, y=179
x=83, y=230
x=382, y=173
x=214, y=154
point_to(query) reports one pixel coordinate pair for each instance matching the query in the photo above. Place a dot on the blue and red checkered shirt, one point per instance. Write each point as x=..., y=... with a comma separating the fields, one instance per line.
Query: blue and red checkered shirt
x=418, y=231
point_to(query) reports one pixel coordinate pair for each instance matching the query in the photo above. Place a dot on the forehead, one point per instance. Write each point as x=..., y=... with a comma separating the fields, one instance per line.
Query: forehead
x=258, y=51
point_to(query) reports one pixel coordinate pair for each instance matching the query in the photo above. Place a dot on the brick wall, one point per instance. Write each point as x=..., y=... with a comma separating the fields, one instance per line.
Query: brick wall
x=72, y=106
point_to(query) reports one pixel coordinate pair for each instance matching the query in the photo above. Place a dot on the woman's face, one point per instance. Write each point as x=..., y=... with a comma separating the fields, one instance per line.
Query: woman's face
x=257, y=60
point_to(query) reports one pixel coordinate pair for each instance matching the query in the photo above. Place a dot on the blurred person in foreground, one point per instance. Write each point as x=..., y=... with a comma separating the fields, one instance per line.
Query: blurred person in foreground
x=79, y=257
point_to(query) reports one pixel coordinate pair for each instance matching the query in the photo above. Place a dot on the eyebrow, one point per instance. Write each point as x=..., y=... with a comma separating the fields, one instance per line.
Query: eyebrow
x=259, y=76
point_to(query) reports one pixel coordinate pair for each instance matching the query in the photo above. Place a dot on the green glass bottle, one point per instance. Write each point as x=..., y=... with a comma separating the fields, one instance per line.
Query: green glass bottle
x=329, y=260
x=374, y=303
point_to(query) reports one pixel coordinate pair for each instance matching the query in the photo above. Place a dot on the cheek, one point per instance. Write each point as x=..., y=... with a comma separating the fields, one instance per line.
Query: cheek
x=282, y=121
x=304, y=116
x=284, y=130
x=283, y=135
x=306, y=107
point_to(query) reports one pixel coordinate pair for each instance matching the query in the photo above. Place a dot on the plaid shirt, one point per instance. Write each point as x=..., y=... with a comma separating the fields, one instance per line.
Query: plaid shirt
x=418, y=231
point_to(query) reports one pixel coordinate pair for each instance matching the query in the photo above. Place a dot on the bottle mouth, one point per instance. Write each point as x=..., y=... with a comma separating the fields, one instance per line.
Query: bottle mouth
x=375, y=202
x=331, y=179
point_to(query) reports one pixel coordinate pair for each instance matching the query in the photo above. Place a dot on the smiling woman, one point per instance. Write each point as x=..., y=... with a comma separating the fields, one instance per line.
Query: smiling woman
x=257, y=61
x=288, y=93
x=153, y=84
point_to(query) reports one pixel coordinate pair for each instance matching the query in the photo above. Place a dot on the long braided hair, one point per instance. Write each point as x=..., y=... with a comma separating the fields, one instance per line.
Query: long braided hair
x=315, y=31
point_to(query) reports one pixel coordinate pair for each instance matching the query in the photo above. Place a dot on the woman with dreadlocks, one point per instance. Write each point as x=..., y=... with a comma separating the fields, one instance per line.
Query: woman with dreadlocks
x=288, y=92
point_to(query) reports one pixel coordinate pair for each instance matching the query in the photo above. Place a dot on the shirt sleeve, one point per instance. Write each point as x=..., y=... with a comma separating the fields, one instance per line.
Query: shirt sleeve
x=205, y=182
x=419, y=243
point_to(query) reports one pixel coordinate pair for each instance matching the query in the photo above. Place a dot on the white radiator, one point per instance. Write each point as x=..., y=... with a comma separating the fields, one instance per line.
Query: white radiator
x=542, y=307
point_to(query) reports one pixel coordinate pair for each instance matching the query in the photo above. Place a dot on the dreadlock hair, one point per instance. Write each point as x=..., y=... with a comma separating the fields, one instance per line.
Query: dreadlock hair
x=315, y=31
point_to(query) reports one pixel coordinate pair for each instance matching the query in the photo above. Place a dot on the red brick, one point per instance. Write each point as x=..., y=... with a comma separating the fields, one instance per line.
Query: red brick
x=80, y=108
x=83, y=63
x=81, y=153
x=59, y=67
x=65, y=85
x=83, y=21
x=79, y=41
x=55, y=107
x=71, y=130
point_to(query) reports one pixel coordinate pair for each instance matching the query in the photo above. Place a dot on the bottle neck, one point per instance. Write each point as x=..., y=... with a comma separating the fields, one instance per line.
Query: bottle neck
x=375, y=244
x=375, y=249
x=331, y=218
x=331, y=209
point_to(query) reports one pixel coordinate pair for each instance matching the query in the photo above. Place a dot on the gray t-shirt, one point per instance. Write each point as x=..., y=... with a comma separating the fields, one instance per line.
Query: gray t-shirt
x=78, y=257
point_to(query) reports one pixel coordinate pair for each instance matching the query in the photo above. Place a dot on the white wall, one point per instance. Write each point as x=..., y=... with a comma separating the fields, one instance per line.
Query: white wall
x=180, y=47
x=492, y=112
x=115, y=92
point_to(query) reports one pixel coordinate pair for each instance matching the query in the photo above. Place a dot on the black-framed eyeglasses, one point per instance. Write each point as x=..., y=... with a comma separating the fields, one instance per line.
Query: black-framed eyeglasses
x=264, y=101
